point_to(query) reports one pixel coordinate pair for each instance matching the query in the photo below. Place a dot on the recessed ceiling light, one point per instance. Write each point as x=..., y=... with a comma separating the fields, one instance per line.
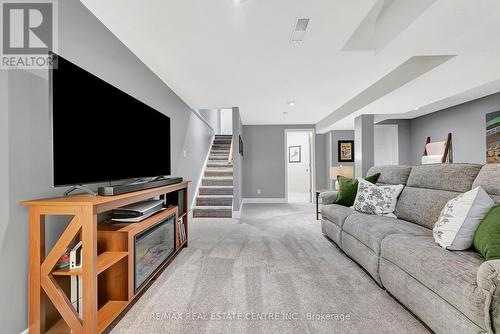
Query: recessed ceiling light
x=291, y=103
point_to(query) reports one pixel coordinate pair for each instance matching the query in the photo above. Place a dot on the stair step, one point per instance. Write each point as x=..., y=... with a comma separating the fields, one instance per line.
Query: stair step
x=228, y=168
x=218, y=173
x=215, y=190
x=218, y=158
x=214, y=200
x=217, y=181
x=213, y=212
x=218, y=163
x=220, y=147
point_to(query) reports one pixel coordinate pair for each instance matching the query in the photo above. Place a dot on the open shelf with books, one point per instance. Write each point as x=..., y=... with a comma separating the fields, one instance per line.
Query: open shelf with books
x=104, y=261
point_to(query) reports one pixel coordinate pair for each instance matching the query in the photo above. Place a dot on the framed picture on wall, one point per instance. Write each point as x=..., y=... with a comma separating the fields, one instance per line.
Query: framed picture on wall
x=294, y=154
x=240, y=145
x=346, y=150
x=493, y=137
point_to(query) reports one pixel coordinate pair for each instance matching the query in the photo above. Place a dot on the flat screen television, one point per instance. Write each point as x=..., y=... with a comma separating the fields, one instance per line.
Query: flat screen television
x=100, y=133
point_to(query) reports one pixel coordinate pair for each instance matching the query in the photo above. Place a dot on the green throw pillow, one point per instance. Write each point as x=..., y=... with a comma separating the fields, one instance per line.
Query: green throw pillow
x=348, y=188
x=487, y=236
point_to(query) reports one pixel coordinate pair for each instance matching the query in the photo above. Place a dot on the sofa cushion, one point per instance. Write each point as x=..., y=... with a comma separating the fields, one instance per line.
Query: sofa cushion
x=336, y=213
x=328, y=197
x=371, y=230
x=449, y=177
x=391, y=174
x=332, y=231
x=363, y=255
x=433, y=310
x=489, y=179
x=451, y=275
x=422, y=206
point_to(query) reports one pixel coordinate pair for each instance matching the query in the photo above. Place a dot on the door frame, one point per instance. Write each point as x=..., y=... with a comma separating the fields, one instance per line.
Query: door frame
x=312, y=160
x=228, y=113
x=396, y=139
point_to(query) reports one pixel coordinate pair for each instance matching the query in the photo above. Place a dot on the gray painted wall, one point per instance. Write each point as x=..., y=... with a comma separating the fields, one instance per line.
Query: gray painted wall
x=212, y=117
x=4, y=154
x=319, y=154
x=237, y=159
x=336, y=136
x=264, y=163
x=328, y=159
x=363, y=144
x=466, y=122
x=331, y=152
x=84, y=40
x=404, y=139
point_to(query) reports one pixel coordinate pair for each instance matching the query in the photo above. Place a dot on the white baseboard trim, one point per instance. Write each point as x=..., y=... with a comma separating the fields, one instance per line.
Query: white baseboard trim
x=237, y=214
x=264, y=200
x=25, y=331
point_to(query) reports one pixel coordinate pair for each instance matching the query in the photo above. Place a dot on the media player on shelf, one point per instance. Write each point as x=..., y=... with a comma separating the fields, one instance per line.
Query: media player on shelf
x=138, y=209
x=137, y=212
x=127, y=188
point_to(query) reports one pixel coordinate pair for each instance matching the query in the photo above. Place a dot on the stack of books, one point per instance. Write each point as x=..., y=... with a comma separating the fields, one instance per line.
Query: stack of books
x=182, y=231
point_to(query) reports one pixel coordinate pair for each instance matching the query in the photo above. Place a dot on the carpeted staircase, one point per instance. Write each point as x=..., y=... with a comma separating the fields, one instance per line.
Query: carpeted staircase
x=215, y=196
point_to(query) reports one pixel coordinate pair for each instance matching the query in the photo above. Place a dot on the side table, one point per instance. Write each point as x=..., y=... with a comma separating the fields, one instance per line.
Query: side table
x=318, y=192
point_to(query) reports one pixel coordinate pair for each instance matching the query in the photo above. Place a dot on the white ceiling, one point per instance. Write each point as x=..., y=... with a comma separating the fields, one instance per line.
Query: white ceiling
x=218, y=53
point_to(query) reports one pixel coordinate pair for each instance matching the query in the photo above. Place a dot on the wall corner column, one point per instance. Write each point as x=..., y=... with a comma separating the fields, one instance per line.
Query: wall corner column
x=363, y=144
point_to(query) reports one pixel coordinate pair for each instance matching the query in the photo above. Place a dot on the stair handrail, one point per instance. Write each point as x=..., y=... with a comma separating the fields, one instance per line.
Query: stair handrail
x=230, y=157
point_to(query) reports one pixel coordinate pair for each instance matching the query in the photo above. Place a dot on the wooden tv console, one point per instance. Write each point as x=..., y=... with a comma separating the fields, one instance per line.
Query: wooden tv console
x=107, y=259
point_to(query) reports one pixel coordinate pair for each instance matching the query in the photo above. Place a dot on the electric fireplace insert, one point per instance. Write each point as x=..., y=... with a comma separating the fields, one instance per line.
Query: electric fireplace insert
x=152, y=247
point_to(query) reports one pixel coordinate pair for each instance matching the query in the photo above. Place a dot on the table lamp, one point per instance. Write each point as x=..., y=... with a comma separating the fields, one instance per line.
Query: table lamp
x=336, y=171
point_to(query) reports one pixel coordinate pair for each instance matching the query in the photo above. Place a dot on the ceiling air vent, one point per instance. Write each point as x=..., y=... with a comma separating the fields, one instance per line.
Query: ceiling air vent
x=300, y=30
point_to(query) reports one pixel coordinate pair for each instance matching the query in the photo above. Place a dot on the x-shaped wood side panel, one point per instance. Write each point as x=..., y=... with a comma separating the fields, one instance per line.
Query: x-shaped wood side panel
x=62, y=303
x=50, y=285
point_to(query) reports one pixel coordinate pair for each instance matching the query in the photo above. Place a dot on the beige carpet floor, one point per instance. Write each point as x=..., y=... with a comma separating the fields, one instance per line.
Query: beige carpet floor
x=271, y=271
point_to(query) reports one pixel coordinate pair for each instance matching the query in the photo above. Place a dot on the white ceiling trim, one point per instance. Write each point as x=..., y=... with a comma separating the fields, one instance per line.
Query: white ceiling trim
x=401, y=75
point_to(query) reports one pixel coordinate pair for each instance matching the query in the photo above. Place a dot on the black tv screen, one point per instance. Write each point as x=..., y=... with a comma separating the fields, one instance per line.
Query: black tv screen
x=100, y=133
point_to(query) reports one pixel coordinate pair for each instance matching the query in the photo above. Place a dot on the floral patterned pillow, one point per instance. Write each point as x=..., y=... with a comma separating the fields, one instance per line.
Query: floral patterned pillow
x=377, y=200
x=460, y=219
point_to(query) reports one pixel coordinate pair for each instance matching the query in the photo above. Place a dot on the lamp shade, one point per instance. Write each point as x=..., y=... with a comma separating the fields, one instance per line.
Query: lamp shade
x=346, y=171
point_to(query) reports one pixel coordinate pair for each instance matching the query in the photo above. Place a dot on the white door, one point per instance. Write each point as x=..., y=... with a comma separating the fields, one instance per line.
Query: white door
x=299, y=166
x=226, y=121
x=385, y=142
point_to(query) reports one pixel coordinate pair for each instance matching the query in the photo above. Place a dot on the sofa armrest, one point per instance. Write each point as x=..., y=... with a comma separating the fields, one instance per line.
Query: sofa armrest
x=328, y=197
x=488, y=279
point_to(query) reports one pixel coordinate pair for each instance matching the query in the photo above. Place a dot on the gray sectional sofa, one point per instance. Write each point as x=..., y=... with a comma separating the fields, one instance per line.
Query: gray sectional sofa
x=450, y=291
